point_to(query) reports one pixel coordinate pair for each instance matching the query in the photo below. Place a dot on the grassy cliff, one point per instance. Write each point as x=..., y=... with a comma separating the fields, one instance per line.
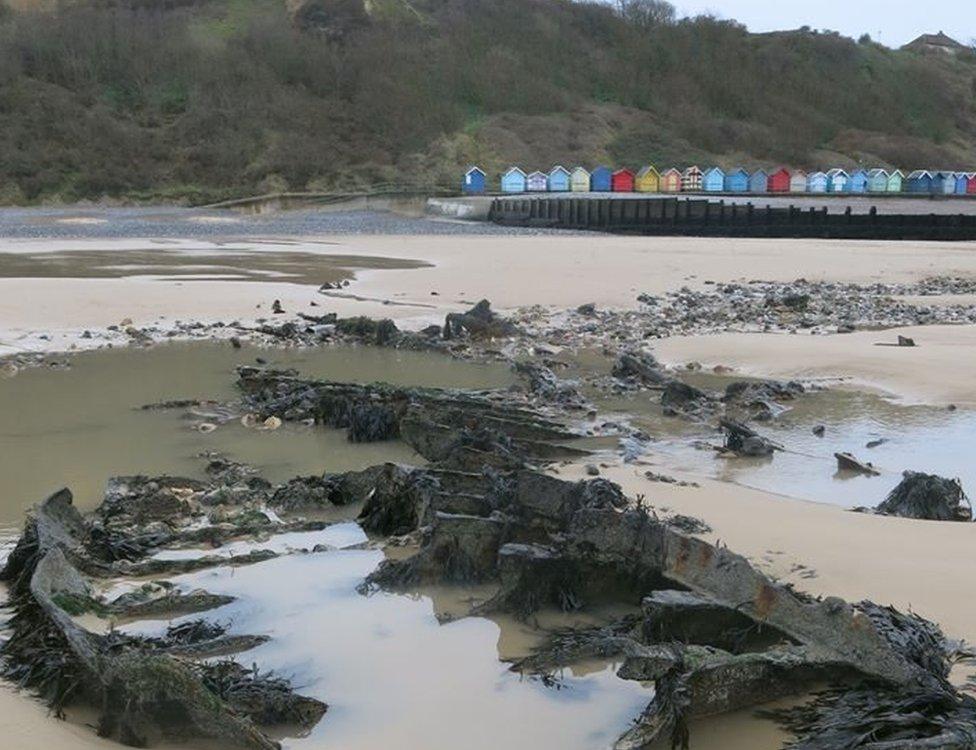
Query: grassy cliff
x=196, y=100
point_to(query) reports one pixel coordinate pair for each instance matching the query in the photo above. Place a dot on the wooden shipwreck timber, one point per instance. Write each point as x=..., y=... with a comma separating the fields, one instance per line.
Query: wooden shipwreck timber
x=711, y=218
x=712, y=633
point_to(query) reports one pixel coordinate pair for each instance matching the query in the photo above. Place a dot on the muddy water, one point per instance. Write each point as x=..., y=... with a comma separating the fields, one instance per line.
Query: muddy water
x=407, y=671
x=393, y=676
x=916, y=438
x=193, y=264
x=912, y=437
x=80, y=426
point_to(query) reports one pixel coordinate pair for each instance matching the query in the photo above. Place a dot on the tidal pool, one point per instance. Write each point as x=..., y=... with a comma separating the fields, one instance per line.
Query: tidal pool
x=394, y=674
x=406, y=670
x=916, y=438
x=189, y=262
x=903, y=437
x=77, y=427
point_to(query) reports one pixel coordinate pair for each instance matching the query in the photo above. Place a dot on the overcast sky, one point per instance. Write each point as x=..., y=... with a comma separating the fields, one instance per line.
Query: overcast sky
x=891, y=22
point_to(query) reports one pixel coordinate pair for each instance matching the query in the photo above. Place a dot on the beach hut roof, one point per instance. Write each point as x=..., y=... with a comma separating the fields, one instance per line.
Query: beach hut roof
x=559, y=168
x=581, y=170
x=919, y=173
x=673, y=170
x=760, y=171
x=715, y=170
x=692, y=169
x=878, y=173
x=644, y=171
x=624, y=170
x=473, y=169
x=799, y=173
x=515, y=170
x=837, y=171
x=537, y=173
x=896, y=173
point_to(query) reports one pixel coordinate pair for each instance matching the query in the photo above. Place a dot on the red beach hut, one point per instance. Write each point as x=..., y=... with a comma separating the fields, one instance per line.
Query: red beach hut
x=971, y=185
x=622, y=181
x=779, y=182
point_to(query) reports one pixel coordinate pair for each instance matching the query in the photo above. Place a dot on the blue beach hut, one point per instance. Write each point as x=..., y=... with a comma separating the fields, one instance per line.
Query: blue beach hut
x=473, y=182
x=817, y=182
x=713, y=181
x=537, y=182
x=896, y=181
x=601, y=180
x=513, y=181
x=737, y=181
x=943, y=183
x=919, y=182
x=858, y=182
x=962, y=183
x=837, y=181
x=878, y=181
x=559, y=180
x=759, y=181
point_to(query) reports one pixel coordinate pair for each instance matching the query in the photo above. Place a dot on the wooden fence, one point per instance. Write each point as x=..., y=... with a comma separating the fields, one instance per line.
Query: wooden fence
x=709, y=218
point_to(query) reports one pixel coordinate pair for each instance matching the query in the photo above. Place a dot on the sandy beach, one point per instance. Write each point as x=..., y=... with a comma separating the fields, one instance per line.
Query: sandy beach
x=556, y=272
x=909, y=564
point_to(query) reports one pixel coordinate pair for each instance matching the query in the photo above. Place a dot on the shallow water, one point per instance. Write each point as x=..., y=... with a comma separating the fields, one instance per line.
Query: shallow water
x=918, y=438
x=78, y=427
x=190, y=263
x=393, y=676
x=393, y=671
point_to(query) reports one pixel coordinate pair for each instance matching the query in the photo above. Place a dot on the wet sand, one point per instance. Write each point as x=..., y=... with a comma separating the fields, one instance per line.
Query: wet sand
x=937, y=371
x=557, y=271
x=913, y=565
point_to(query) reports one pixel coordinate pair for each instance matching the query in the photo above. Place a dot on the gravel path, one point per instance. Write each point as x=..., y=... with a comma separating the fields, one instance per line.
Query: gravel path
x=188, y=223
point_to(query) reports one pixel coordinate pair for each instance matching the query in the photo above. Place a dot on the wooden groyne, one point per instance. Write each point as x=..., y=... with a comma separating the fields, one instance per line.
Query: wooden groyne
x=710, y=218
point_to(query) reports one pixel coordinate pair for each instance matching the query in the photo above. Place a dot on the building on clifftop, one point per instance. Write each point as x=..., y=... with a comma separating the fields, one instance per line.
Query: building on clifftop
x=940, y=42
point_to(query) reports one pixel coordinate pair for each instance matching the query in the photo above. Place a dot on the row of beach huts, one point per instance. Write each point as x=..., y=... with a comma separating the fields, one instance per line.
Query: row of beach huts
x=715, y=180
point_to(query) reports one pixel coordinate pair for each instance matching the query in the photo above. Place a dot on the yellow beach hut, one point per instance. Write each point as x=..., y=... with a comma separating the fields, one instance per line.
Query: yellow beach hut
x=579, y=181
x=648, y=180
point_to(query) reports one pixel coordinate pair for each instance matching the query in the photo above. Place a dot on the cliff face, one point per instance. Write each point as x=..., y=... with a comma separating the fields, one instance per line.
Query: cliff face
x=208, y=99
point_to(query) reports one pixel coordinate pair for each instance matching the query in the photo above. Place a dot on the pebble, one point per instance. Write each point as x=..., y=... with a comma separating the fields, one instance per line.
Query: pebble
x=793, y=307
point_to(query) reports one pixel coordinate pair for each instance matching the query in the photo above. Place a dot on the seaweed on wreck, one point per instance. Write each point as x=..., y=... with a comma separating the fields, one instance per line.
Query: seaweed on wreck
x=564, y=646
x=928, y=497
x=146, y=688
x=37, y=657
x=267, y=699
x=433, y=421
x=378, y=332
x=875, y=717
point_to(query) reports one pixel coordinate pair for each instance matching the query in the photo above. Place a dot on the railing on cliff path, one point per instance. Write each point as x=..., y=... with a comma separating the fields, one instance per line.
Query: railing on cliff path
x=285, y=199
